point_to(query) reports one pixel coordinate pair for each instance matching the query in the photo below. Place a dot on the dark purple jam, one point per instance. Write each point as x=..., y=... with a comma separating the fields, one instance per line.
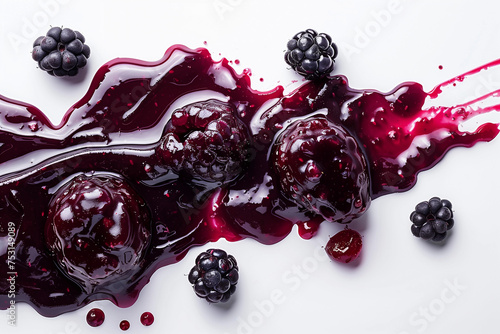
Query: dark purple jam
x=112, y=136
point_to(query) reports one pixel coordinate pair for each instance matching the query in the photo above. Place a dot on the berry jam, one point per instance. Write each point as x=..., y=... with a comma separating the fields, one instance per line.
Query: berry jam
x=114, y=132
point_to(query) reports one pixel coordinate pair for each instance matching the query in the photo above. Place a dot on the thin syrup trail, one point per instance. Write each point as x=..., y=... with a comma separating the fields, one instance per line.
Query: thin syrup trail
x=493, y=72
x=405, y=141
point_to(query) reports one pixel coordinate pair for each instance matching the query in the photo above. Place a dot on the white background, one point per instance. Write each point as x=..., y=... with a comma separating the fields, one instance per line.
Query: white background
x=400, y=284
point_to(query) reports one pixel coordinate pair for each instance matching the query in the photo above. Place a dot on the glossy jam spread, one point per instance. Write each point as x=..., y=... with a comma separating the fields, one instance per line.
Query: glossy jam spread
x=142, y=168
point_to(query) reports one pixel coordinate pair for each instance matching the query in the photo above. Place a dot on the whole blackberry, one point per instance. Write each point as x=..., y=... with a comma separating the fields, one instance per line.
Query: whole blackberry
x=214, y=276
x=322, y=168
x=432, y=219
x=207, y=141
x=311, y=54
x=61, y=52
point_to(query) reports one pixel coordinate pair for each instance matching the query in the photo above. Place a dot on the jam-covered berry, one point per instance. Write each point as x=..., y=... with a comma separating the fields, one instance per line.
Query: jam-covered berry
x=207, y=141
x=98, y=229
x=321, y=167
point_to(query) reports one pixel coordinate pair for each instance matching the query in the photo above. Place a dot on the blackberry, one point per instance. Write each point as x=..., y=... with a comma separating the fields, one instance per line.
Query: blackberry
x=432, y=219
x=310, y=54
x=61, y=52
x=322, y=168
x=214, y=276
x=206, y=141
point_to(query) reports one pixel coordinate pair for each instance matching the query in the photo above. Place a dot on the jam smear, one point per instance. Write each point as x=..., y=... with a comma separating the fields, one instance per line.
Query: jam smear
x=116, y=128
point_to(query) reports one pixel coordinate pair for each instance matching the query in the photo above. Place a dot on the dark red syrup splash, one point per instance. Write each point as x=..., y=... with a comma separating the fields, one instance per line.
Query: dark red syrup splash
x=117, y=126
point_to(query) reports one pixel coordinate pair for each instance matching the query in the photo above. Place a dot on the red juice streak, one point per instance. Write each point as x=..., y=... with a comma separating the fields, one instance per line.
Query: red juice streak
x=117, y=126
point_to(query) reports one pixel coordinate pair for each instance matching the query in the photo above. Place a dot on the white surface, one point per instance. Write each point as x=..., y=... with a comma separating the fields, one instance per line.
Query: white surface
x=401, y=284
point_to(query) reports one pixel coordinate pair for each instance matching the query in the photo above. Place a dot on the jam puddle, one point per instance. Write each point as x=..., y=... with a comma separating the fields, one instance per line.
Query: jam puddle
x=116, y=128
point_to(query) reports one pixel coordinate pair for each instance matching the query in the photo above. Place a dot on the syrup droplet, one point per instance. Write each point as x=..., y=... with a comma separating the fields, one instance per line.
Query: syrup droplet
x=124, y=325
x=308, y=229
x=440, y=67
x=95, y=317
x=147, y=319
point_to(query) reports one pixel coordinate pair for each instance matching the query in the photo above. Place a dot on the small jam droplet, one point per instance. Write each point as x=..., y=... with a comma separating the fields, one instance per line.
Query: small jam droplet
x=237, y=61
x=440, y=67
x=147, y=319
x=124, y=325
x=33, y=126
x=95, y=317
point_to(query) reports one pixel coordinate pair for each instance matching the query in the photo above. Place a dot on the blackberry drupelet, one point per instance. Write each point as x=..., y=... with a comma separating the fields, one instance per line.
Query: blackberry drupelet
x=206, y=141
x=61, y=52
x=310, y=54
x=432, y=219
x=214, y=276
